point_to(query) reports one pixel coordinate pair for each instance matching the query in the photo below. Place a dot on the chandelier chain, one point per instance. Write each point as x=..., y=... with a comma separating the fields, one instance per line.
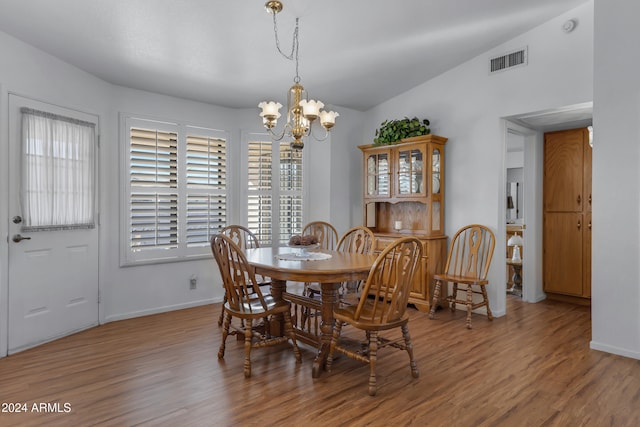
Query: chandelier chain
x=294, y=46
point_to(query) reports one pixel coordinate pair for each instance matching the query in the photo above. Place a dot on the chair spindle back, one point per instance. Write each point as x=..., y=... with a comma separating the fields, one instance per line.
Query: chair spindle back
x=471, y=252
x=325, y=232
x=237, y=275
x=389, y=282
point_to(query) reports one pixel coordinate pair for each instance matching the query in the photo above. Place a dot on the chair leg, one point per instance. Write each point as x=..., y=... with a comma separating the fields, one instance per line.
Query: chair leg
x=373, y=353
x=409, y=348
x=288, y=330
x=248, y=335
x=452, y=304
x=225, y=333
x=469, y=305
x=486, y=301
x=221, y=318
x=334, y=340
x=436, y=299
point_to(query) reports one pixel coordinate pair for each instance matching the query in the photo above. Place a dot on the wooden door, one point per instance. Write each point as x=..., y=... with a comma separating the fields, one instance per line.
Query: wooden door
x=564, y=171
x=567, y=214
x=563, y=253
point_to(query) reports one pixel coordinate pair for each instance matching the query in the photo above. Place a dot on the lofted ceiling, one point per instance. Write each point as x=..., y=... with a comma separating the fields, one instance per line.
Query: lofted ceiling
x=355, y=53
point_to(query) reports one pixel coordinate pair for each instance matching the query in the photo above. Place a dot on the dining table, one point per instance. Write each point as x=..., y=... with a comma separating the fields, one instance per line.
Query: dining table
x=329, y=268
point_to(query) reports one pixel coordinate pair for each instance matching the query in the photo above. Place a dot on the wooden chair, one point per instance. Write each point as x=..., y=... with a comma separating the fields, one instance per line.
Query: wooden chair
x=244, y=239
x=245, y=301
x=325, y=232
x=360, y=240
x=467, y=264
x=327, y=238
x=381, y=307
x=306, y=309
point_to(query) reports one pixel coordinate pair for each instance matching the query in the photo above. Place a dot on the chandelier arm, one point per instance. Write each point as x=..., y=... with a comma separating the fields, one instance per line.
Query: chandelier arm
x=313, y=135
x=277, y=136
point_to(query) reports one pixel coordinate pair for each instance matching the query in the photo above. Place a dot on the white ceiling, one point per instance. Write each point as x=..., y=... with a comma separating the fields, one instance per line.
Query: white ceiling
x=353, y=53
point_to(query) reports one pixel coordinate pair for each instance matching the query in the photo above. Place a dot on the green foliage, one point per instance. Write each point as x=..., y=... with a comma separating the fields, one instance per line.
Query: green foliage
x=391, y=131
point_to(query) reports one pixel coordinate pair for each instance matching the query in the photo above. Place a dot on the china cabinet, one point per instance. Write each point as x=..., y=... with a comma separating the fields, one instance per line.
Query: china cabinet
x=404, y=195
x=567, y=215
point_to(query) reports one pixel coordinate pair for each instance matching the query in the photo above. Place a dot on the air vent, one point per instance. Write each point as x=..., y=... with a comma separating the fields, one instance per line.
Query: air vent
x=509, y=60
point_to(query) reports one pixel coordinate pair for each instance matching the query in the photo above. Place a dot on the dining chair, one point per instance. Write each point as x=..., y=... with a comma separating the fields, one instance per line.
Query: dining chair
x=381, y=307
x=467, y=264
x=327, y=236
x=325, y=232
x=245, y=301
x=360, y=240
x=306, y=308
x=245, y=239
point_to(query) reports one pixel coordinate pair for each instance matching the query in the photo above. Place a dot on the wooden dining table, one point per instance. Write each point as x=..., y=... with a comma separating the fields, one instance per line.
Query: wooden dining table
x=330, y=273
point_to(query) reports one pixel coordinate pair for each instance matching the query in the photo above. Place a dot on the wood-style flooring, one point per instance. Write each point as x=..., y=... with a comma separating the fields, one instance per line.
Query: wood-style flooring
x=532, y=367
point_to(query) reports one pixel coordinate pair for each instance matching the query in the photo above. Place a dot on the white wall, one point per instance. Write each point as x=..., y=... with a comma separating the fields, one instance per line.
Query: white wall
x=616, y=179
x=346, y=171
x=466, y=105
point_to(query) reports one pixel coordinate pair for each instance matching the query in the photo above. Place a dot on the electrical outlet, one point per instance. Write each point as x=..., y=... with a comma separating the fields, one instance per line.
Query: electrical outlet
x=193, y=281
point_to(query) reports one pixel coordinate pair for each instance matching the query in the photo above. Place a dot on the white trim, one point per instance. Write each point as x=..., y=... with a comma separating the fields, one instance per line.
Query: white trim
x=4, y=222
x=164, y=309
x=594, y=345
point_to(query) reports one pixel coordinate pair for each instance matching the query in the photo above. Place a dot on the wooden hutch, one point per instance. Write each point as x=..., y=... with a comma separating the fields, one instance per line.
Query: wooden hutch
x=404, y=195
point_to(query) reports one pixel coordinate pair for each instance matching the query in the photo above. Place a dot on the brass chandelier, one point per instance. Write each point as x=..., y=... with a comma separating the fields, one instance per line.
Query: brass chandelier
x=302, y=112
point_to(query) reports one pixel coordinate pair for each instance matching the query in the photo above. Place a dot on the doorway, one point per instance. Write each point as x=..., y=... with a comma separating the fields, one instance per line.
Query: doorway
x=531, y=127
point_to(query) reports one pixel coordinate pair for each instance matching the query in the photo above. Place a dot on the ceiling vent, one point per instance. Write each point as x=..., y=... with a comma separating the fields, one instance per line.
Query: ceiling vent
x=517, y=58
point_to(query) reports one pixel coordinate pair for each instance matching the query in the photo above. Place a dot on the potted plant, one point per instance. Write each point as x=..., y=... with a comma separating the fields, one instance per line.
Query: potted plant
x=391, y=131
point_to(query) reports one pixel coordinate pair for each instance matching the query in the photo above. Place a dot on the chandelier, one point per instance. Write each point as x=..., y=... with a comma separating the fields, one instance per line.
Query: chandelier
x=302, y=112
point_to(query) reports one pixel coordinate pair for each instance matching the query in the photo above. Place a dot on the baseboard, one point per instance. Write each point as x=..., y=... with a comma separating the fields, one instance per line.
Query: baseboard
x=157, y=310
x=614, y=350
x=569, y=298
x=538, y=298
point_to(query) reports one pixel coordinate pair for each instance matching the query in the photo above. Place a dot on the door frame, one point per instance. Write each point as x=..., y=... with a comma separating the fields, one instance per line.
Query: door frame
x=532, y=290
x=4, y=222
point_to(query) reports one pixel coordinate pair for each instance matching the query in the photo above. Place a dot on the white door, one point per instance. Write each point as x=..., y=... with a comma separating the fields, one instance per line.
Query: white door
x=53, y=271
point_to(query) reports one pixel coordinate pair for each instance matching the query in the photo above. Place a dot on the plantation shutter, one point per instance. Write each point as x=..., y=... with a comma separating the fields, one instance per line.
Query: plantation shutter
x=206, y=173
x=270, y=163
x=153, y=173
x=259, y=200
x=290, y=192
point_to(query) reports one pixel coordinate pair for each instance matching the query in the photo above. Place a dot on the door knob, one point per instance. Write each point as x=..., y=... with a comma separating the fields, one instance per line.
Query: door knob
x=17, y=219
x=18, y=238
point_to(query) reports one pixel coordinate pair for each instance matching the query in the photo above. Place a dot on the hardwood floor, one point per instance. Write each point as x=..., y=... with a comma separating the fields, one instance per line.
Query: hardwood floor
x=532, y=367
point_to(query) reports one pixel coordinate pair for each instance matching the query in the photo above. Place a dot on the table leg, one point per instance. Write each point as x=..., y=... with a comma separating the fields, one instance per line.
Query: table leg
x=329, y=300
x=276, y=324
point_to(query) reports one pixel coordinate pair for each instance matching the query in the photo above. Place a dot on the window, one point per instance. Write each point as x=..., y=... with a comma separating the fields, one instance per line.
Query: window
x=58, y=172
x=177, y=190
x=274, y=212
